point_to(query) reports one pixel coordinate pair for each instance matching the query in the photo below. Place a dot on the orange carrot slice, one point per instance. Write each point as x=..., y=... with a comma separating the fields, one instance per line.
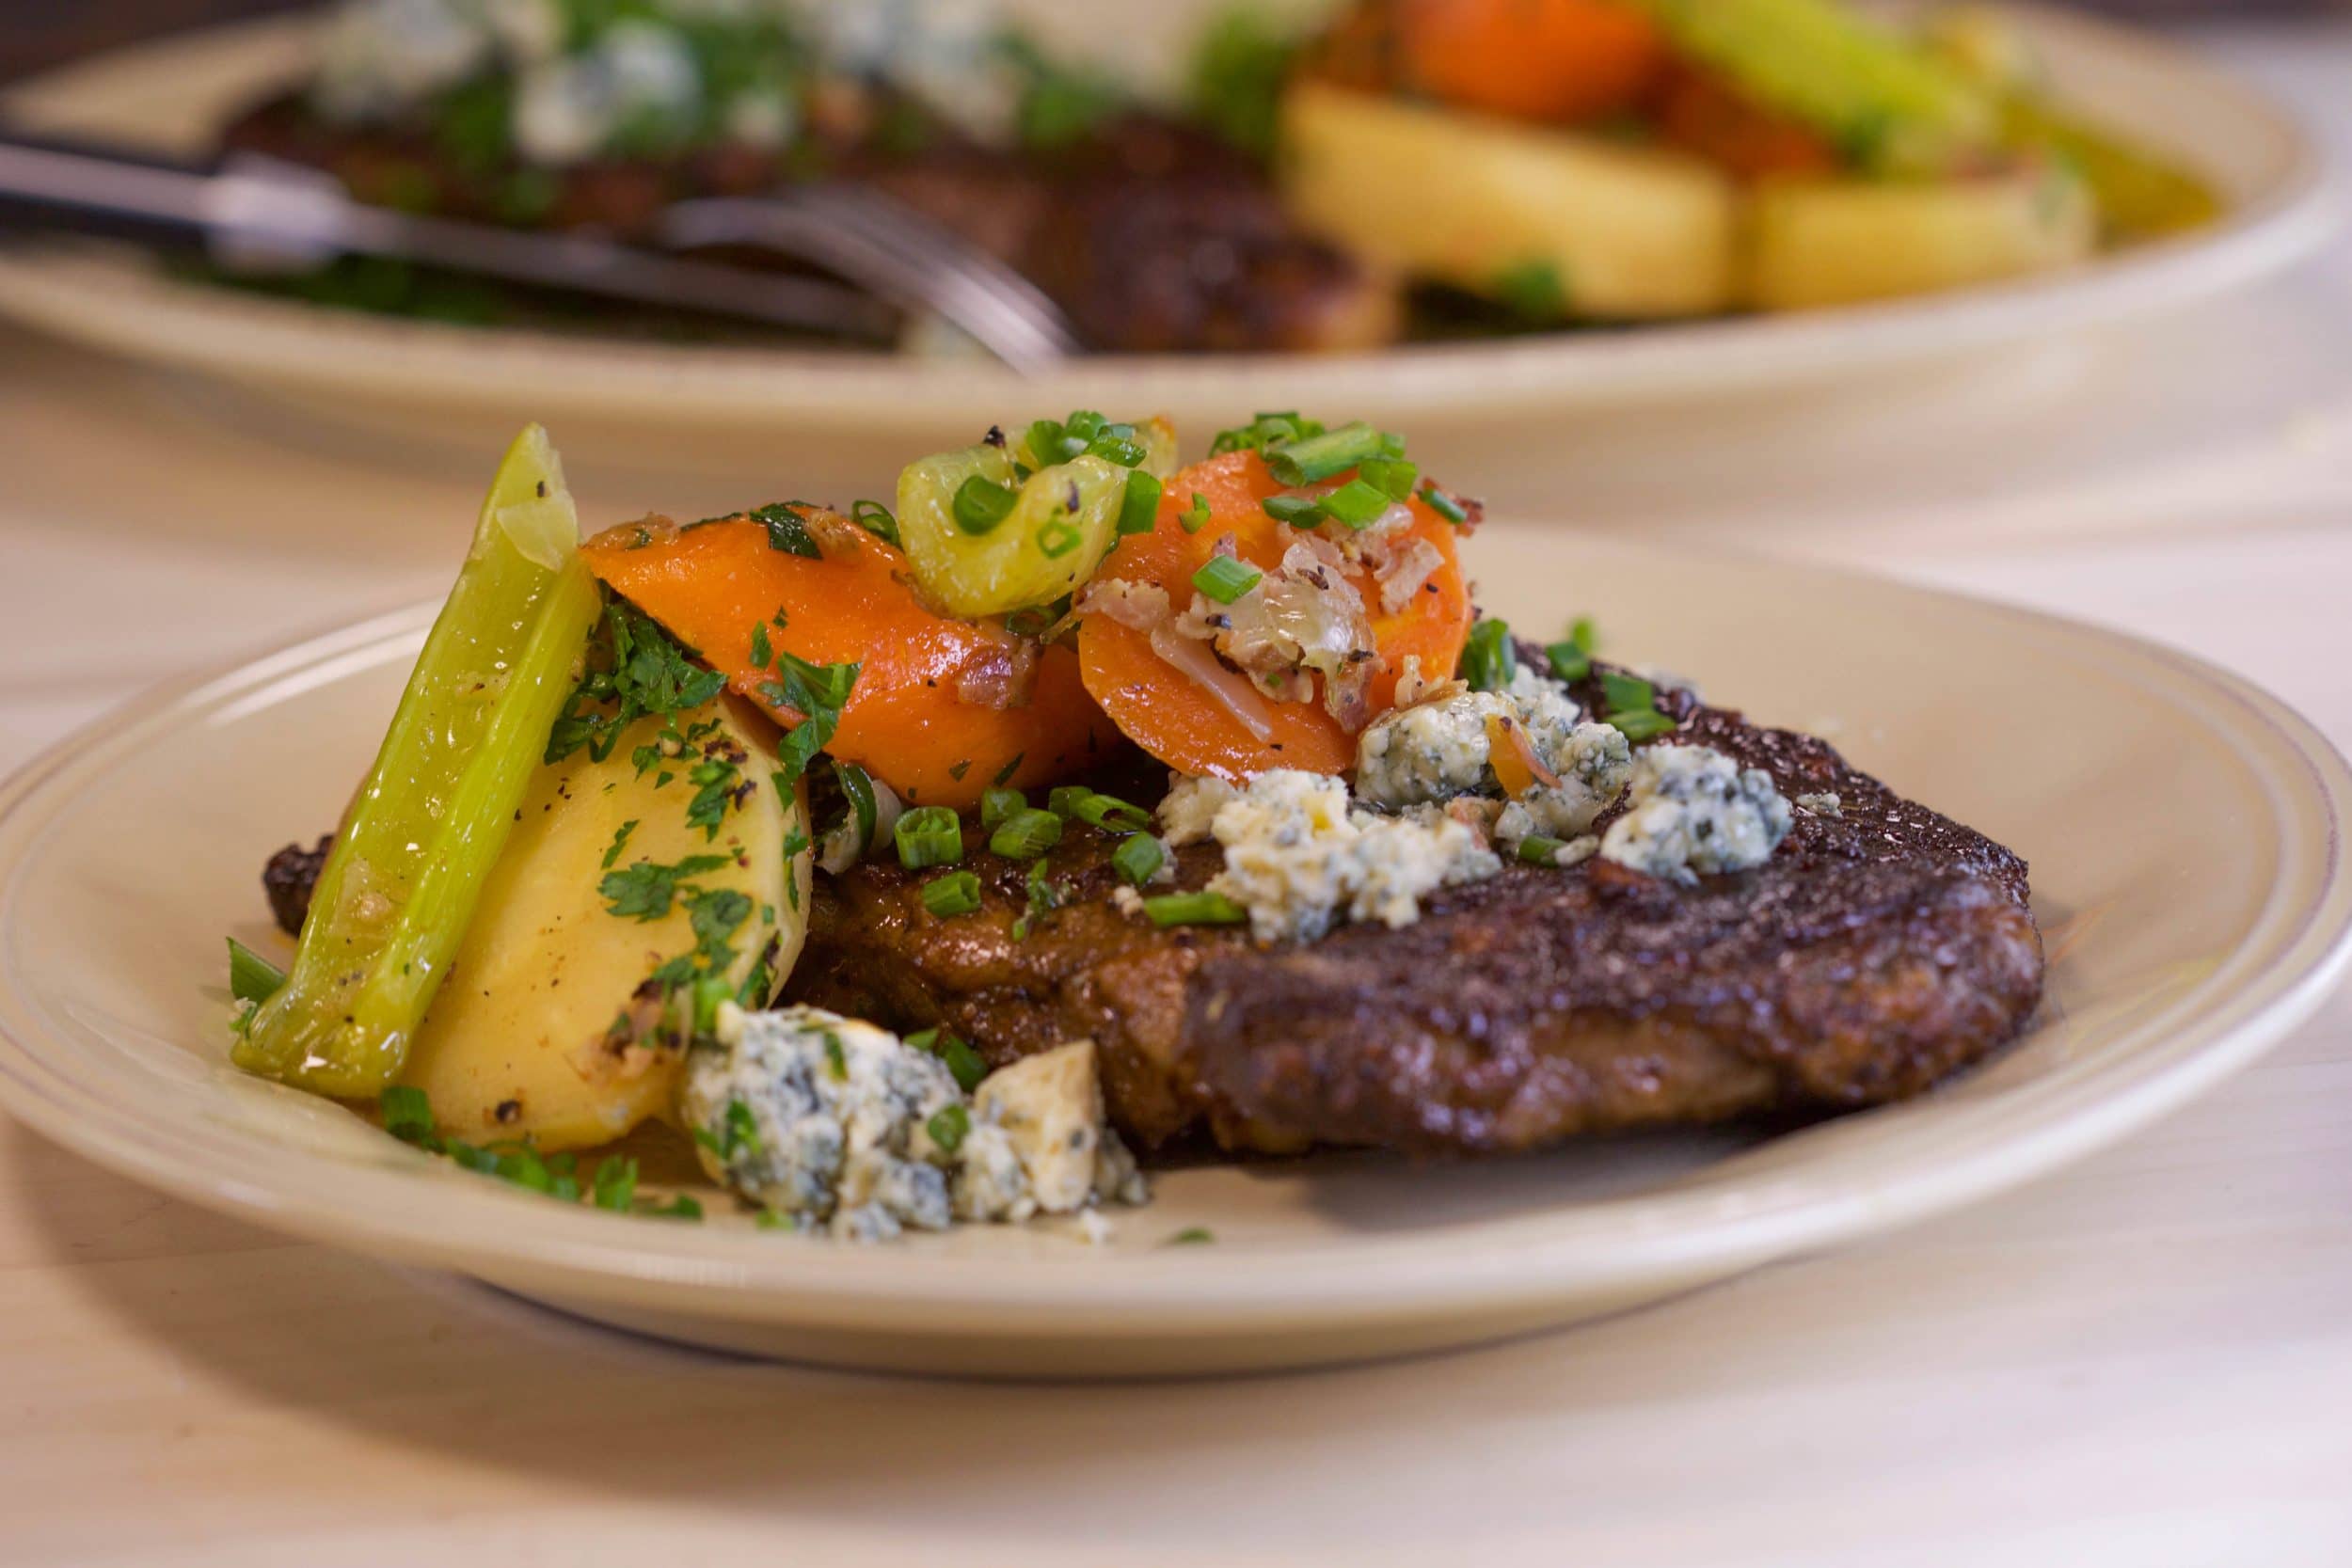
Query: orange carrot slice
x=713, y=585
x=1173, y=714
x=1557, y=60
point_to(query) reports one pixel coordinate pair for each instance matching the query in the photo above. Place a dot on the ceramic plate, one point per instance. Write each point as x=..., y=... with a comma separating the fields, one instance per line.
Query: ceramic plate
x=821, y=414
x=2183, y=828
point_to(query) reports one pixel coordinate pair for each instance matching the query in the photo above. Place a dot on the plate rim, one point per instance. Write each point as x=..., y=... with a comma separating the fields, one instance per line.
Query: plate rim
x=1661, y=1237
x=283, y=344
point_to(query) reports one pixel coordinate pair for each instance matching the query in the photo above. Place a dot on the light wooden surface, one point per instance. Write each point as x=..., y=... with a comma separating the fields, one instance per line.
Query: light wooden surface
x=2147, y=1360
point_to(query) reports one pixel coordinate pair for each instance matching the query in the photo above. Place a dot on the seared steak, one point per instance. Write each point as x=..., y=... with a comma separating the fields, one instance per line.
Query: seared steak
x=1877, y=952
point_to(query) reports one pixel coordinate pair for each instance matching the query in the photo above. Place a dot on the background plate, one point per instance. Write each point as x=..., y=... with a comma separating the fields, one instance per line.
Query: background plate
x=830, y=419
x=2182, y=828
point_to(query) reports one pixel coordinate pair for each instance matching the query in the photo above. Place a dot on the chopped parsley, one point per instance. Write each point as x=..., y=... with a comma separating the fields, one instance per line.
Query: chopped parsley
x=646, y=890
x=647, y=673
x=620, y=842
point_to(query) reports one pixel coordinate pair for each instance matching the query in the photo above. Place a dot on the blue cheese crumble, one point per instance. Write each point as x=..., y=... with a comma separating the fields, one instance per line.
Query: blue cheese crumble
x=1693, y=812
x=1298, y=856
x=845, y=1127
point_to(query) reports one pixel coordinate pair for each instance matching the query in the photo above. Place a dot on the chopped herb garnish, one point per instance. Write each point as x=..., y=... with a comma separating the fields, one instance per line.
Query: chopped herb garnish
x=253, y=978
x=1318, y=457
x=1194, y=909
x=857, y=787
x=1584, y=634
x=646, y=890
x=949, y=1126
x=1569, y=661
x=876, y=519
x=1265, y=433
x=648, y=674
x=615, y=1185
x=1392, y=476
x=1646, y=725
x=1488, y=659
x=836, y=1059
x=1004, y=774
x=1536, y=849
x=1534, y=290
x=1628, y=693
x=1443, y=506
x=715, y=780
x=678, y=1208
x=1025, y=835
x=407, y=1114
x=1192, y=1235
x=1301, y=512
x=620, y=842
x=1043, y=898
x=981, y=504
x=1058, y=539
x=1110, y=812
x=1358, y=503
x=964, y=1064
x=1196, y=516
x=1139, y=504
x=1226, y=579
x=960, y=769
x=1063, y=800
x=788, y=531
x=956, y=892
x=1138, y=859
x=928, y=836
x=763, y=653
x=999, y=804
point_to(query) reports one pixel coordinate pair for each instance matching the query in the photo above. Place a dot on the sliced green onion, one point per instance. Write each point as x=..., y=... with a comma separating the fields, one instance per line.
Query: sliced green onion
x=1226, y=579
x=1489, y=659
x=956, y=892
x=1138, y=859
x=1536, y=849
x=1569, y=661
x=859, y=787
x=876, y=519
x=1443, y=506
x=1297, y=511
x=1194, y=909
x=1064, y=800
x=949, y=1126
x=1584, y=634
x=1025, y=835
x=1628, y=693
x=1139, y=508
x=1357, y=503
x=1395, y=477
x=997, y=805
x=1263, y=432
x=1058, y=539
x=1644, y=724
x=253, y=978
x=1124, y=451
x=1319, y=457
x=1196, y=516
x=981, y=504
x=407, y=1114
x=928, y=836
x=1050, y=442
x=1109, y=811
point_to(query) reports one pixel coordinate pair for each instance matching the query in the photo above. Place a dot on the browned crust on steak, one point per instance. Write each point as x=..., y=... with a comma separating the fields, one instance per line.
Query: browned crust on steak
x=1877, y=953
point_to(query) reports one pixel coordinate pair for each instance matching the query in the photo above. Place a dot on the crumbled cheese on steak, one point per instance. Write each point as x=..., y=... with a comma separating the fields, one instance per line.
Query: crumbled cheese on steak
x=1298, y=857
x=1438, y=747
x=839, y=1123
x=1824, y=805
x=1694, y=812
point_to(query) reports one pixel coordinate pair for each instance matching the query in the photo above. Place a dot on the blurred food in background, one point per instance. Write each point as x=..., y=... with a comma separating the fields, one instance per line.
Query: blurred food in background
x=1396, y=170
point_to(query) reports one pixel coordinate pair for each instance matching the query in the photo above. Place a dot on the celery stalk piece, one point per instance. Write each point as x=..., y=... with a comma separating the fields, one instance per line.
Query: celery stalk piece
x=1894, y=107
x=400, y=882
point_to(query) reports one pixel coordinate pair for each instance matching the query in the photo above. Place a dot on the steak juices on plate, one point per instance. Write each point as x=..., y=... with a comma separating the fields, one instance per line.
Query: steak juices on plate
x=921, y=862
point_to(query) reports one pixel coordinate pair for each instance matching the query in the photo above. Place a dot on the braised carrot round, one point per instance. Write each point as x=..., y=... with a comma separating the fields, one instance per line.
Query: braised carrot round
x=919, y=717
x=1168, y=712
x=1562, y=61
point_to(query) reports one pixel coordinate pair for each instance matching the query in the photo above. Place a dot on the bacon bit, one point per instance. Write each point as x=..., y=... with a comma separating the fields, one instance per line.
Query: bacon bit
x=1402, y=572
x=1138, y=606
x=834, y=534
x=1513, y=758
x=998, y=675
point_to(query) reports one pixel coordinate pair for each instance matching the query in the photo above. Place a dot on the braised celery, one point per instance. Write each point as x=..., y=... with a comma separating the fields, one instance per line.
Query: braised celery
x=407, y=868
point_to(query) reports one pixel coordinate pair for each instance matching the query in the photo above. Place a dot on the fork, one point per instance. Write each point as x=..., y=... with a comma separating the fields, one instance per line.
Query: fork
x=899, y=254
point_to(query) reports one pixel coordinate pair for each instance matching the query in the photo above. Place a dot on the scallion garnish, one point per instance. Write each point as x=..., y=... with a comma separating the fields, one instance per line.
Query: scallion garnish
x=1265, y=432
x=857, y=785
x=981, y=504
x=1489, y=659
x=949, y=1126
x=1194, y=909
x=253, y=978
x=1064, y=800
x=1110, y=812
x=1194, y=517
x=928, y=836
x=963, y=1062
x=956, y=892
x=999, y=804
x=1297, y=511
x=1139, y=505
x=876, y=519
x=1025, y=835
x=1393, y=475
x=1628, y=693
x=1122, y=450
x=1642, y=724
x=1226, y=579
x=1357, y=503
x=407, y=1114
x=1443, y=506
x=1138, y=859
x=1058, y=539
x=1318, y=457
x=1569, y=661
x=1536, y=849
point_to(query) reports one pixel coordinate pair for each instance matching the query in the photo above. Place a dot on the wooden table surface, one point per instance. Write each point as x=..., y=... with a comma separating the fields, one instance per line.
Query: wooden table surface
x=2144, y=1360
